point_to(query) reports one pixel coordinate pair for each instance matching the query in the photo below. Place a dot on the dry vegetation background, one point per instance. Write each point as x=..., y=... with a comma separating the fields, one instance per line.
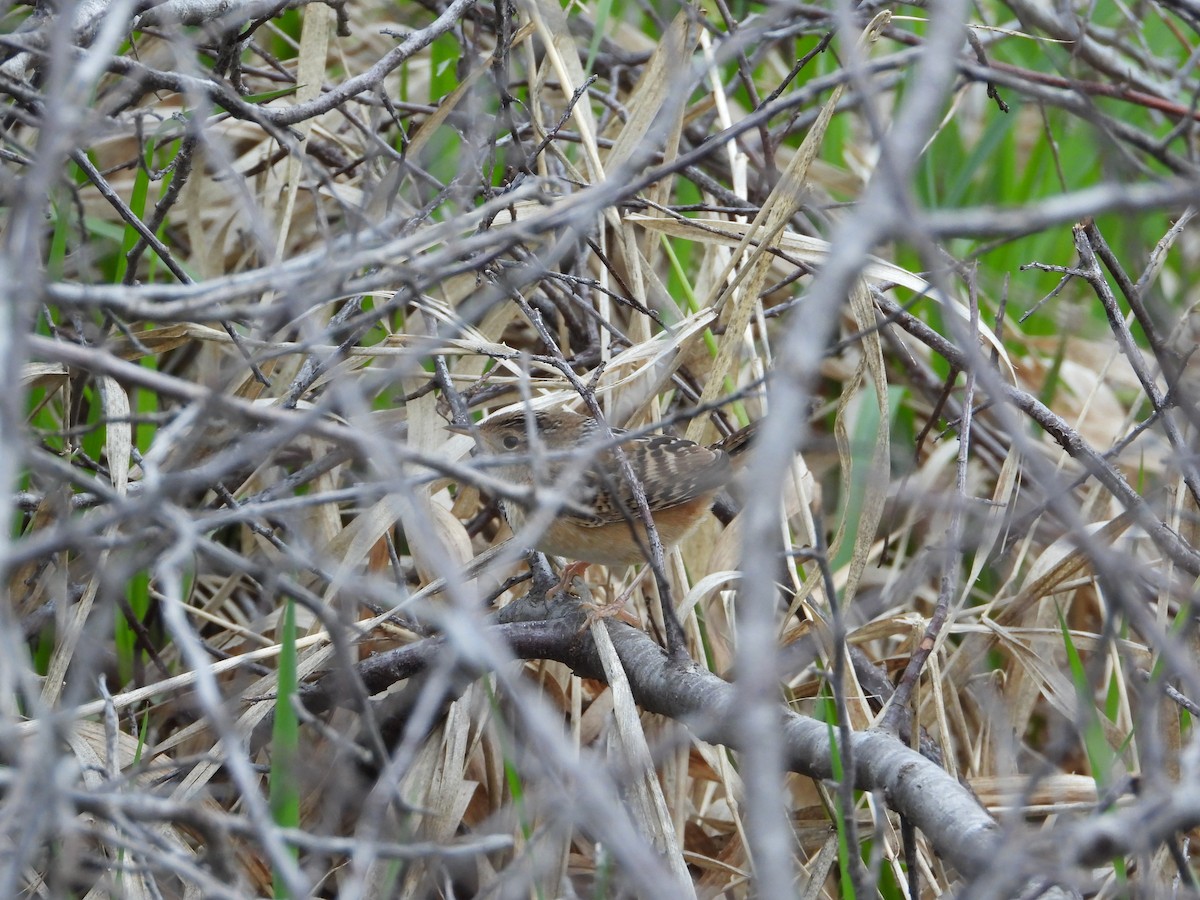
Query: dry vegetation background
x=264, y=634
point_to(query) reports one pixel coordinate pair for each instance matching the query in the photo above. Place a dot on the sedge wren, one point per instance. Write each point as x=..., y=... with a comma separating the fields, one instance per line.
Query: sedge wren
x=602, y=525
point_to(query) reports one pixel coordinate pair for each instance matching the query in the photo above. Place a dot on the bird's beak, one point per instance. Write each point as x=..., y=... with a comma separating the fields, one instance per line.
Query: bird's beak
x=459, y=429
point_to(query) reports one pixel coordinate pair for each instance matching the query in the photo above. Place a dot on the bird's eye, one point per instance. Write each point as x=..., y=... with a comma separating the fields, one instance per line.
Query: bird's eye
x=511, y=442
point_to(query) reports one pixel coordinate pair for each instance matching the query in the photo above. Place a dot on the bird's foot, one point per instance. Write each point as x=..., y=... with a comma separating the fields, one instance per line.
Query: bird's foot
x=598, y=612
x=570, y=572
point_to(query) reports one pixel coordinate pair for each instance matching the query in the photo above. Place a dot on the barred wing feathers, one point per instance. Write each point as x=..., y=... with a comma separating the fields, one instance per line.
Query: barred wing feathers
x=674, y=471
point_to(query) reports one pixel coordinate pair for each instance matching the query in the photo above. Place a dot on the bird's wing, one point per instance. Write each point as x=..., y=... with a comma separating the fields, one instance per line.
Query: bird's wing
x=673, y=471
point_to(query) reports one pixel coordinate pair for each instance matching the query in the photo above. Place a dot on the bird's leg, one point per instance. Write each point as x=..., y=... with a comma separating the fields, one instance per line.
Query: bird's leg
x=569, y=573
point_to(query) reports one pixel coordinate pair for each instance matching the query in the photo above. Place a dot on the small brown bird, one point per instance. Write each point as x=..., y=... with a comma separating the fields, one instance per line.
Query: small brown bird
x=680, y=479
